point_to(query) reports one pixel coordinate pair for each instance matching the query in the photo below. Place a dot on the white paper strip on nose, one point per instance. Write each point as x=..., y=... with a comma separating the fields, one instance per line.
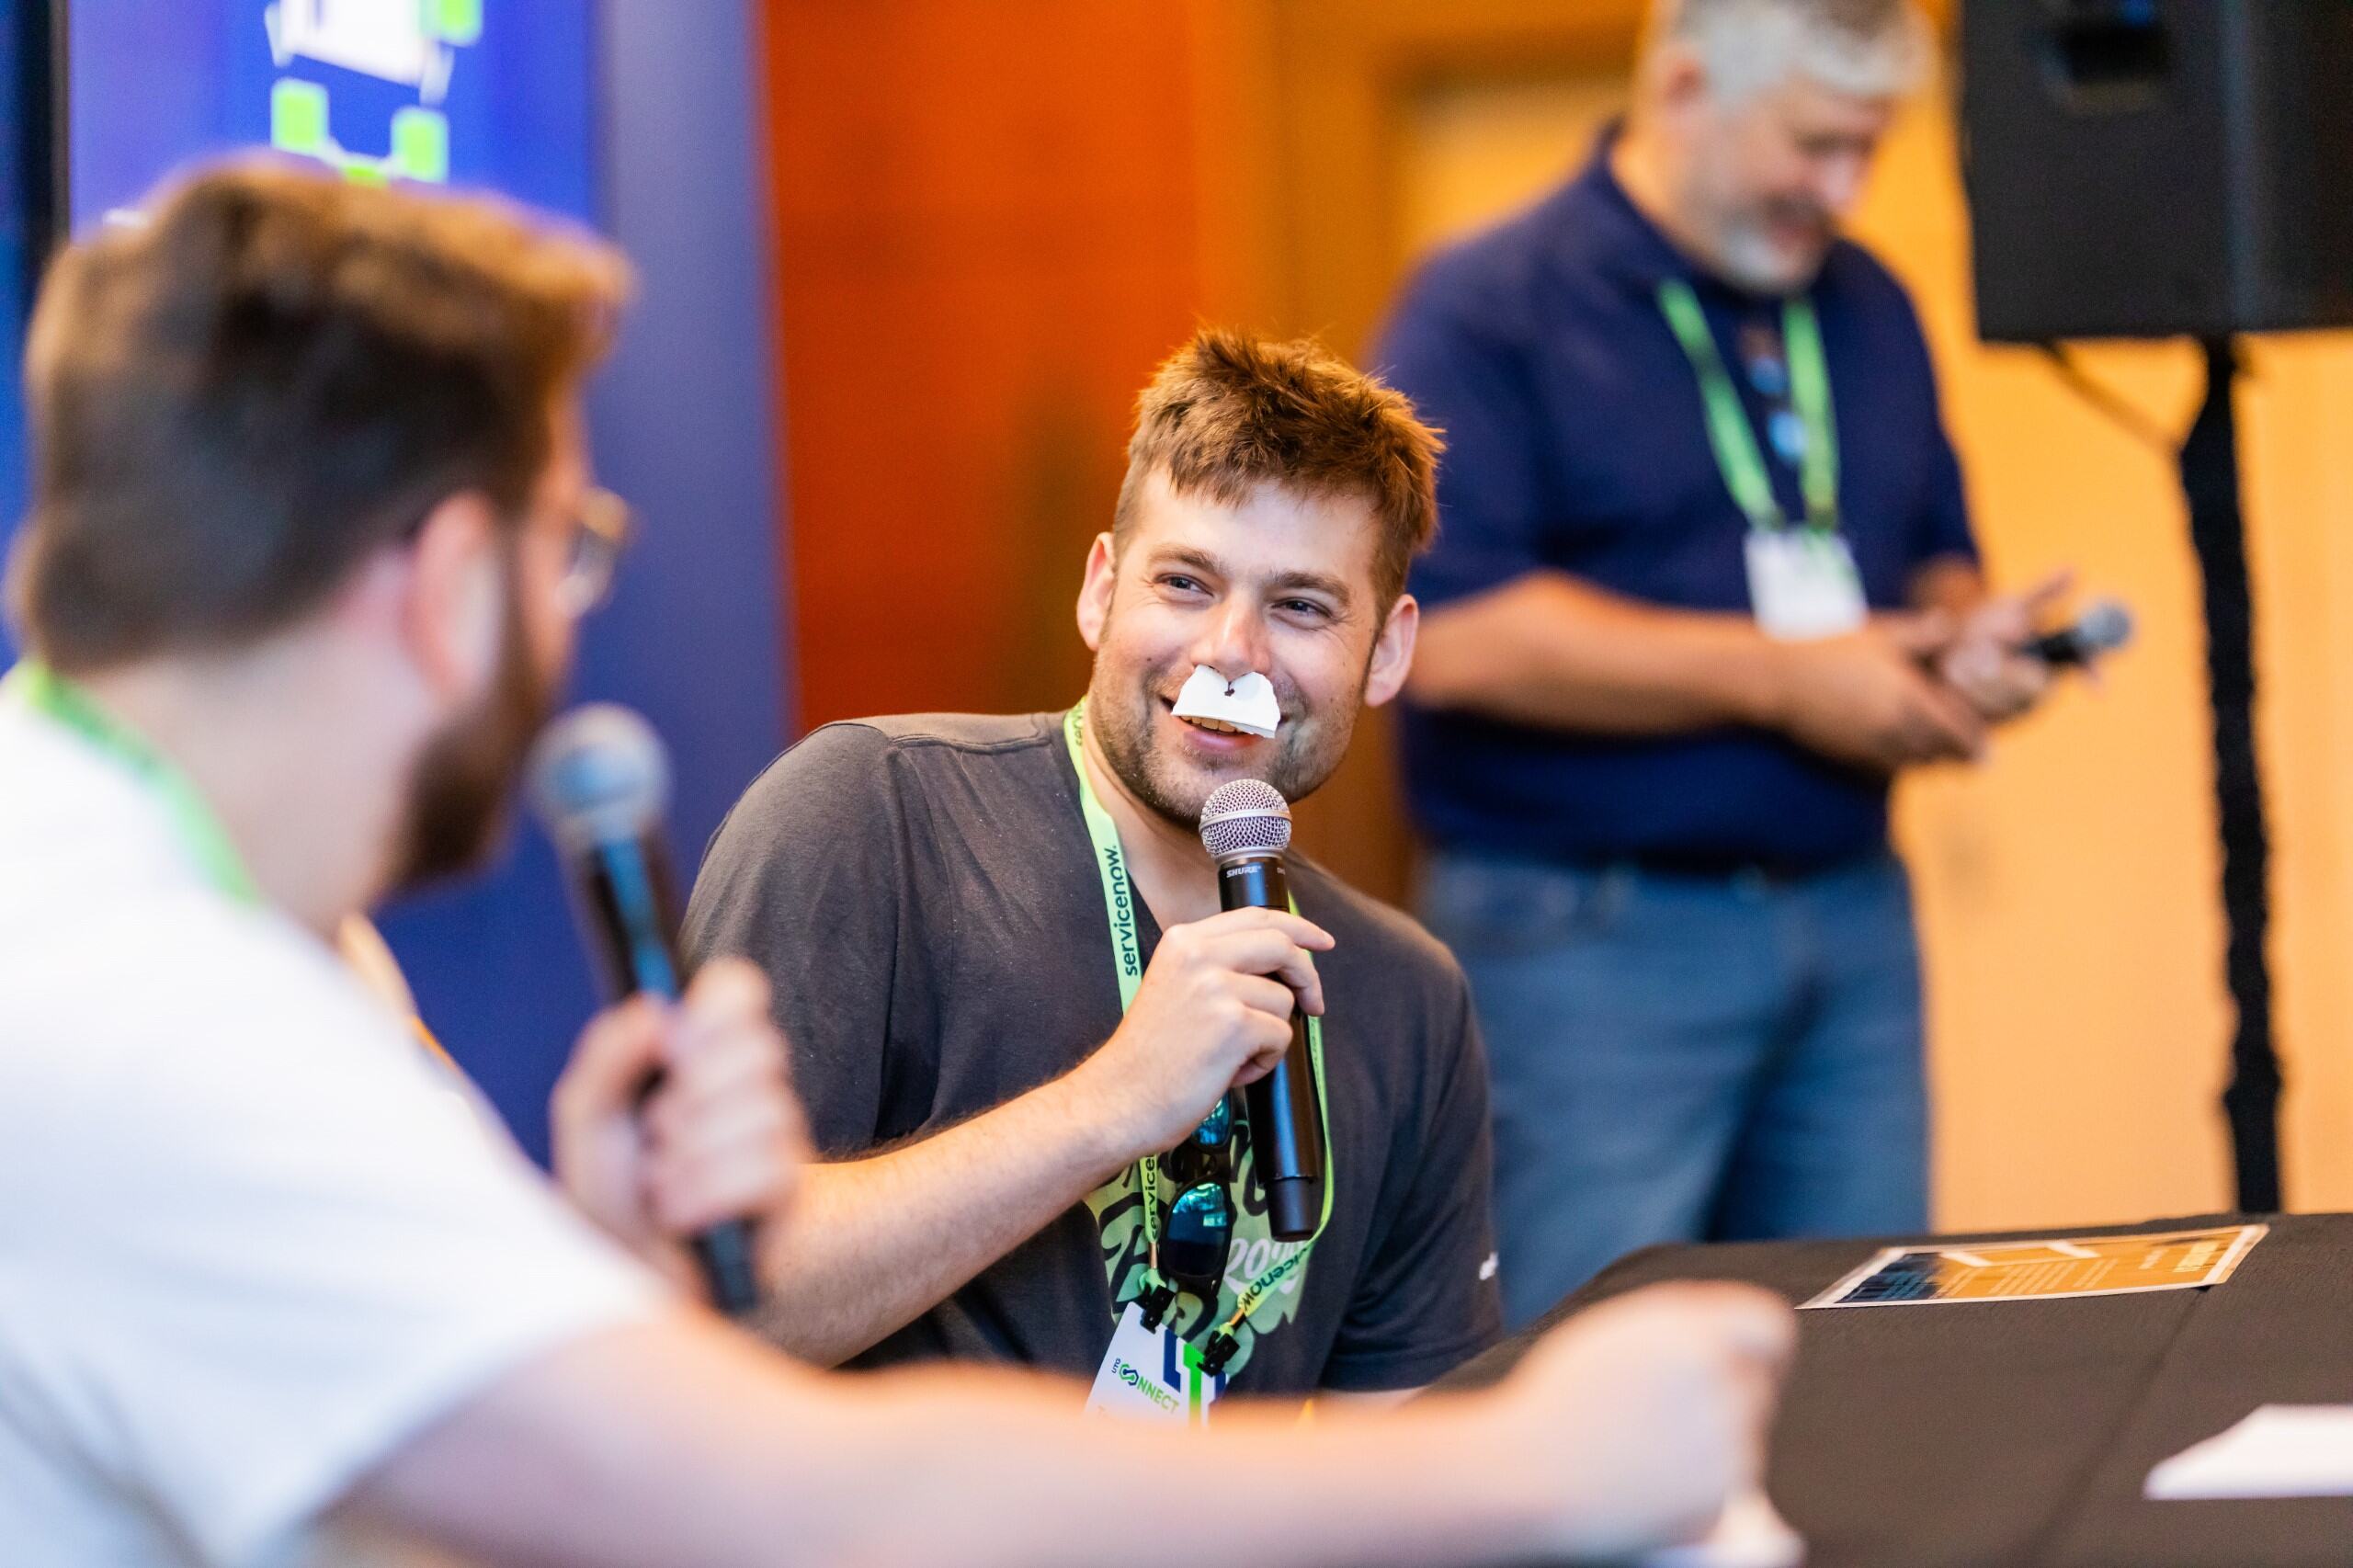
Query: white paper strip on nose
x=1247, y=704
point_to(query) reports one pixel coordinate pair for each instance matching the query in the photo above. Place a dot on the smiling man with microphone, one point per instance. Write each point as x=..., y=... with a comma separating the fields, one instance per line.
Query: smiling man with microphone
x=1049, y=1072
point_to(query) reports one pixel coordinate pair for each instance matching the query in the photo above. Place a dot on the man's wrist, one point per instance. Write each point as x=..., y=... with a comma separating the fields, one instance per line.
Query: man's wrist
x=1507, y=1501
x=1761, y=678
x=1101, y=1119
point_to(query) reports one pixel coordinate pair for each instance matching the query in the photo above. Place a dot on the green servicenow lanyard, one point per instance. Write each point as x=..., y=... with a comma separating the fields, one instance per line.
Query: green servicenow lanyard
x=1127, y=954
x=45, y=692
x=1729, y=430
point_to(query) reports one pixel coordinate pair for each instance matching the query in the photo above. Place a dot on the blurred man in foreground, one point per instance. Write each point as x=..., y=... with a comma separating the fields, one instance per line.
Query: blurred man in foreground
x=310, y=534
x=1704, y=585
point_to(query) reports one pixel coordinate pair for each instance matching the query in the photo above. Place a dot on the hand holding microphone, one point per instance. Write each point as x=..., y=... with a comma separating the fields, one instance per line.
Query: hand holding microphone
x=2003, y=666
x=1214, y=1012
x=673, y=1116
x=1224, y=1002
x=721, y=1138
x=2100, y=630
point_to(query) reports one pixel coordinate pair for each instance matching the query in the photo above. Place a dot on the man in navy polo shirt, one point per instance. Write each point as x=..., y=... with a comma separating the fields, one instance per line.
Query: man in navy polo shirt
x=1704, y=584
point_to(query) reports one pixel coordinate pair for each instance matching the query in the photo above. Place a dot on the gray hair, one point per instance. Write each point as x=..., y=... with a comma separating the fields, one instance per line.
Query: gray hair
x=1867, y=48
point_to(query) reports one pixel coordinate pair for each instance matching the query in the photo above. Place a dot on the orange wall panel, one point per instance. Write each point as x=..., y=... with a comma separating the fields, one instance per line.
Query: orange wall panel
x=987, y=239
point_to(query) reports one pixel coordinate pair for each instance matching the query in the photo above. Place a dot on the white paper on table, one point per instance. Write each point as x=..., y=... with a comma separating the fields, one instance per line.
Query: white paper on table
x=2281, y=1450
x=1750, y=1534
x=2046, y=1268
x=1247, y=704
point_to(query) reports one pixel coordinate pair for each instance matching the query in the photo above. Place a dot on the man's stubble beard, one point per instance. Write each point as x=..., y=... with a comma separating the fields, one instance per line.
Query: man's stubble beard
x=1737, y=232
x=1754, y=263
x=1305, y=754
x=464, y=781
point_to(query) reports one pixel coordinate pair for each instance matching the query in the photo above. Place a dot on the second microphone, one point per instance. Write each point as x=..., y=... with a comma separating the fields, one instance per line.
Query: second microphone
x=1245, y=826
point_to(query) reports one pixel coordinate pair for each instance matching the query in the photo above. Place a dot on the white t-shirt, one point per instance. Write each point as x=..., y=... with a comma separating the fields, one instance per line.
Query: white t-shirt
x=247, y=1247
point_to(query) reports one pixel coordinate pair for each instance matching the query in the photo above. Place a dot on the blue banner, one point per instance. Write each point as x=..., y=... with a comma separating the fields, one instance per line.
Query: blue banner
x=490, y=92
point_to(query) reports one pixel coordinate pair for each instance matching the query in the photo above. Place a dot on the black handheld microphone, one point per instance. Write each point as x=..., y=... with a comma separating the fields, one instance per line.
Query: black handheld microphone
x=2103, y=629
x=601, y=782
x=1245, y=826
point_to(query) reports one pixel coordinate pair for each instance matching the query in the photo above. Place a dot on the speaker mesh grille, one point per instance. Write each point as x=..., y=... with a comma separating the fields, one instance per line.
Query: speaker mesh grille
x=1247, y=815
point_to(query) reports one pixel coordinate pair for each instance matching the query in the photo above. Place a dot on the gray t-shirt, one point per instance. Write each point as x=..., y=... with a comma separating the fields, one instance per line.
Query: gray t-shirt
x=924, y=895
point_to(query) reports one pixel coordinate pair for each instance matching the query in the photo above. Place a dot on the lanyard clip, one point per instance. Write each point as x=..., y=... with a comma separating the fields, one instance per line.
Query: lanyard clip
x=1157, y=1297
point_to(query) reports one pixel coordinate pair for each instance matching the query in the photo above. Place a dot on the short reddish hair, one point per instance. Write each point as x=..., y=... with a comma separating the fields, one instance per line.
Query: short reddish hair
x=1229, y=412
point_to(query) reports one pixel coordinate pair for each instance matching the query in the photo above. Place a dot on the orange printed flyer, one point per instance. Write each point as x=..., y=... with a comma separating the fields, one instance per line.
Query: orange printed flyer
x=2044, y=1271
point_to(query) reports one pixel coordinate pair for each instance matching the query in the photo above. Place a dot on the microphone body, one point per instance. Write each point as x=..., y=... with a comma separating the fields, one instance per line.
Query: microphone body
x=1285, y=1108
x=602, y=782
x=1245, y=826
x=630, y=906
x=2061, y=648
x=2105, y=627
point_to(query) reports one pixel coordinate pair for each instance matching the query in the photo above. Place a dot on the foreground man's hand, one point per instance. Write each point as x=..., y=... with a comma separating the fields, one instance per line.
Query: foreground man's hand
x=1650, y=1412
x=721, y=1138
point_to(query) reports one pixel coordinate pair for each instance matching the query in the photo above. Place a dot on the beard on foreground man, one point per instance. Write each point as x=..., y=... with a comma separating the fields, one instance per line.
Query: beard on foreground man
x=313, y=522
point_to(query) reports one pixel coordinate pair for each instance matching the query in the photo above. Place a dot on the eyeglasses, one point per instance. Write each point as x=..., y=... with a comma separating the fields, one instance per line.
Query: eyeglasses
x=1199, y=1232
x=601, y=531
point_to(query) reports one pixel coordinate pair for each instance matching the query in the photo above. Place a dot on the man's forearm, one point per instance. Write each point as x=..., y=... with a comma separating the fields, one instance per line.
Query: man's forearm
x=677, y=1443
x=1549, y=648
x=873, y=1243
x=1412, y=1488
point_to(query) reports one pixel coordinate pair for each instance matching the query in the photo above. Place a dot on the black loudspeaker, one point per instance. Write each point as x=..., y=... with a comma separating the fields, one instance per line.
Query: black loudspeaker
x=2154, y=168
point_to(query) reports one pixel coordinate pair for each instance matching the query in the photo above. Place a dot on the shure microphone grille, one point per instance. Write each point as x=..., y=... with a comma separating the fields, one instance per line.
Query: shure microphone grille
x=1245, y=815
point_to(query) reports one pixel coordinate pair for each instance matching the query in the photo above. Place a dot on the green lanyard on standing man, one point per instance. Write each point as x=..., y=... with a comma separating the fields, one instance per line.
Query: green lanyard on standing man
x=1729, y=430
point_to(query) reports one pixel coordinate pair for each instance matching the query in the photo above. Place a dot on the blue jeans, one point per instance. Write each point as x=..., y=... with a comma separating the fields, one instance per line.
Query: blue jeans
x=1688, y=1058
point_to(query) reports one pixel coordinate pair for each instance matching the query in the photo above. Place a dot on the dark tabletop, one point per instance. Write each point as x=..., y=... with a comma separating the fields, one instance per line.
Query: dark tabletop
x=2018, y=1434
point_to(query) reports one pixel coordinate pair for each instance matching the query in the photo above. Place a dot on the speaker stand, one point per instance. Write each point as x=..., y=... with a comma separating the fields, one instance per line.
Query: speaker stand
x=2210, y=479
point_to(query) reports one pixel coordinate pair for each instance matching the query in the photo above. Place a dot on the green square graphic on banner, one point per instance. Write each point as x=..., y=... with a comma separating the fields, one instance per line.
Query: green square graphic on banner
x=298, y=118
x=453, y=21
x=421, y=145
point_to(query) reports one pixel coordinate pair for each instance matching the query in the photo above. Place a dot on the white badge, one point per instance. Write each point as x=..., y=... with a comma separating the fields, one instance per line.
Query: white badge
x=1151, y=1374
x=1803, y=585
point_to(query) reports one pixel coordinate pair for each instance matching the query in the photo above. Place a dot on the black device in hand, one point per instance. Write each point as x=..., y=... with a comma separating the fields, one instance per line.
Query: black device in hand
x=1245, y=826
x=601, y=782
x=2103, y=629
